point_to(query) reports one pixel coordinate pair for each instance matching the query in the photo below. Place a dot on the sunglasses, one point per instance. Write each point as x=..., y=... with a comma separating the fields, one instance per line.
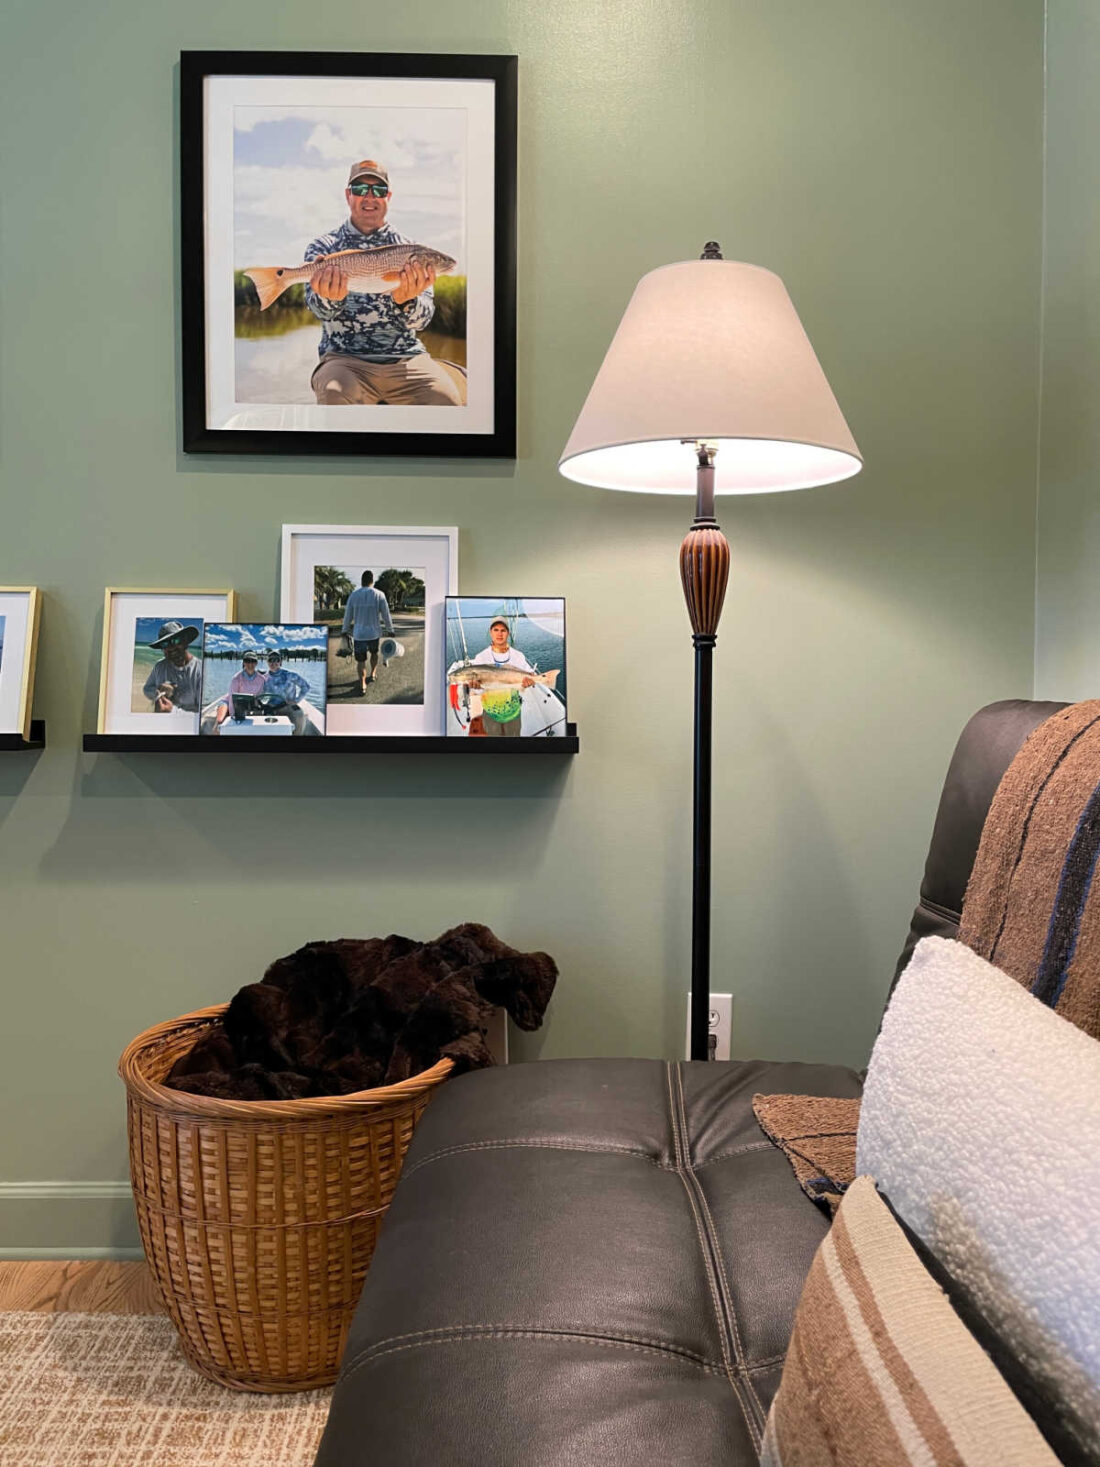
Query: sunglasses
x=361, y=190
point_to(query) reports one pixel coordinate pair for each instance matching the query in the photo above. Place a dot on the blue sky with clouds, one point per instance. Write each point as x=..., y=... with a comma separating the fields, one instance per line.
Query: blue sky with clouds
x=260, y=636
x=290, y=168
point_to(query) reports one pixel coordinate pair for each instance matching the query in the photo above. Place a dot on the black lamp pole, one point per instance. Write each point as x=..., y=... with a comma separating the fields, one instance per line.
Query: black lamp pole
x=704, y=571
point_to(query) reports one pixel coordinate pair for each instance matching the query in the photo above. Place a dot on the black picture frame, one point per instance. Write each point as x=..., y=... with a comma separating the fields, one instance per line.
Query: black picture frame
x=198, y=436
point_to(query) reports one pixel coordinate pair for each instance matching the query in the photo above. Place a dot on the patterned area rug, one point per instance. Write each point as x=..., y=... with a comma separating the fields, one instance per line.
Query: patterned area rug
x=113, y=1390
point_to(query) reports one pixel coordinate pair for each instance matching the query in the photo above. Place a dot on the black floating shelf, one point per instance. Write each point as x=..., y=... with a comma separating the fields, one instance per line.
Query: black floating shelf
x=15, y=743
x=567, y=743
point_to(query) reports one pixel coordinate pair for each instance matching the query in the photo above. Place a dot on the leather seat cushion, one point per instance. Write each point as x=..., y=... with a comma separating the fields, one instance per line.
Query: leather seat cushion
x=586, y=1261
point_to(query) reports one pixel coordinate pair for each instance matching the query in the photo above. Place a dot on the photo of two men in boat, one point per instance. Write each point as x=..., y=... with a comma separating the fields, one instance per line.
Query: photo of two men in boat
x=263, y=679
x=375, y=617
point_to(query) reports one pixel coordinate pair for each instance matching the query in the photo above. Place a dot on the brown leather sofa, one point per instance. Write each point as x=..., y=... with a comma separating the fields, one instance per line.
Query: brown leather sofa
x=598, y=1261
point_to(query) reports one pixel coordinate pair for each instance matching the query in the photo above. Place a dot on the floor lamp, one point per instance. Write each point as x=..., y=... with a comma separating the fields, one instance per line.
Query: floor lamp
x=710, y=370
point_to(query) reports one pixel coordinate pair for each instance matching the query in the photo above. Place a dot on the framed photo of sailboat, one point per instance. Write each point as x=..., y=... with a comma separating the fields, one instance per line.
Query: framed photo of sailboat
x=348, y=253
x=505, y=667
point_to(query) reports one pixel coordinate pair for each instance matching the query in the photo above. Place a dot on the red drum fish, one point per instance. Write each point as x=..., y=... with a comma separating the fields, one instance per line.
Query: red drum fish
x=491, y=678
x=369, y=272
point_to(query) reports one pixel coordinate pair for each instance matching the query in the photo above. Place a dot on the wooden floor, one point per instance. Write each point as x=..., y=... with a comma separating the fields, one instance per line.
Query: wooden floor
x=98, y=1287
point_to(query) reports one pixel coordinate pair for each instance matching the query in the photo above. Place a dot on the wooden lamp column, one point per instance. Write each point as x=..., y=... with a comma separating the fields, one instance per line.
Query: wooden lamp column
x=704, y=571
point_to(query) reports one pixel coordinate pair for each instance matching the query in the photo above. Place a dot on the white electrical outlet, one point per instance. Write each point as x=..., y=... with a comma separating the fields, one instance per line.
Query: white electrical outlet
x=720, y=1027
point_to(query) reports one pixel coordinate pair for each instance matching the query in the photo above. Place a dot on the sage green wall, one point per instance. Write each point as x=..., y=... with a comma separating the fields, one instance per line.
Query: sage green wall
x=1067, y=651
x=884, y=159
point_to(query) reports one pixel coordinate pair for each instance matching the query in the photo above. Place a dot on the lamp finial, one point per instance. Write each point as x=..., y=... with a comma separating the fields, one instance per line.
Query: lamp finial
x=712, y=250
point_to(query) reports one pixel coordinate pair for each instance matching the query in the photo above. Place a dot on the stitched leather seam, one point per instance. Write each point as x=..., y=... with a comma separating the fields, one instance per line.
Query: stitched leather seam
x=768, y=1364
x=465, y=1333
x=684, y=1172
x=938, y=909
x=730, y=1312
x=535, y=1329
x=499, y=1145
x=734, y=1151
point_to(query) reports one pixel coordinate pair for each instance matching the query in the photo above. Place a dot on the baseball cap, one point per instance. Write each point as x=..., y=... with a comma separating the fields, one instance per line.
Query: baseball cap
x=249, y=656
x=368, y=168
x=499, y=621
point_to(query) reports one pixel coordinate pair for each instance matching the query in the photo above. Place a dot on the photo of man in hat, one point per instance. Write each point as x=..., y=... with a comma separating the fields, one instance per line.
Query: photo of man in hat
x=175, y=681
x=370, y=350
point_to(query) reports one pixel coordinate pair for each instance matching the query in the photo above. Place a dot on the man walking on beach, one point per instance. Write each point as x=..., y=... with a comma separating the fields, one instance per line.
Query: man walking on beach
x=370, y=349
x=176, y=680
x=366, y=612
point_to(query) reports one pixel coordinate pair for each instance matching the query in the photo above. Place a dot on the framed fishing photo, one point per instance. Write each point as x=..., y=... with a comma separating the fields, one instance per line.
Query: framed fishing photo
x=348, y=254
x=505, y=667
x=379, y=591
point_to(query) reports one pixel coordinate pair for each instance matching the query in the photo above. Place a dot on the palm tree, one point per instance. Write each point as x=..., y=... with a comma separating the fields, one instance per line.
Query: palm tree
x=331, y=589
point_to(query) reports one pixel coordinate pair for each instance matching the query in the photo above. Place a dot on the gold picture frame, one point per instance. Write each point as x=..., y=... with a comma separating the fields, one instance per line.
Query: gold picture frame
x=25, y=695
x=171, y=595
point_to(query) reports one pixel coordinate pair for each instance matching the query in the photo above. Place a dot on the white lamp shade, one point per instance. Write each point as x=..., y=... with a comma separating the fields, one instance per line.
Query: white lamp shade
x=710, y=350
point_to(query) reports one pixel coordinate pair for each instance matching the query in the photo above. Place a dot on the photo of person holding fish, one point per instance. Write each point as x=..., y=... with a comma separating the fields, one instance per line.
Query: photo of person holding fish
x=371, y=288
x=499, y=690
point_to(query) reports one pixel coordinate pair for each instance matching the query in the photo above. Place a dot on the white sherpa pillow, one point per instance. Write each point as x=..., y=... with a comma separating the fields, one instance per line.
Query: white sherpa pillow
x=981, y=1123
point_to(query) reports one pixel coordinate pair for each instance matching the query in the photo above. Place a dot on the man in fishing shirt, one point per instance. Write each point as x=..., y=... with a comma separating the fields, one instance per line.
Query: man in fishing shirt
x=291, y=687
x=502, y=708
x=364, y=614
x=370, y=351
x=176, y=680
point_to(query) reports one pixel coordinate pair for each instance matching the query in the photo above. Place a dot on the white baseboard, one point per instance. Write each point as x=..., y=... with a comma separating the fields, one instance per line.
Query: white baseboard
x=77, y=1254
x=63, y=1219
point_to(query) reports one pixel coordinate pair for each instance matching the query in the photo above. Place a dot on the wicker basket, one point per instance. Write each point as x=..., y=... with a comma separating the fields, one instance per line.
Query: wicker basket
x=259, y=1218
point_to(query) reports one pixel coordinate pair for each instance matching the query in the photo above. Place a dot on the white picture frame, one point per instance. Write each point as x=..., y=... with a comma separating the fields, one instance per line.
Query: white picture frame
x=432, y=549
x=20, y=612
x=123, y=608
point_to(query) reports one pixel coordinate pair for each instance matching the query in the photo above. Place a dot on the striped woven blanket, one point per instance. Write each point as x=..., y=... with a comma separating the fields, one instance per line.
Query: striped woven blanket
x=1033, y=904
x=1032, y=909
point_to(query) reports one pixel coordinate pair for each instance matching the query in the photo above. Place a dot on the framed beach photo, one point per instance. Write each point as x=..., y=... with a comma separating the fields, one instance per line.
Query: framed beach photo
x=379, y=590
x=348, y=253
x=505, y=673
x=20, y=610
x=263, y=679
x=150, y=674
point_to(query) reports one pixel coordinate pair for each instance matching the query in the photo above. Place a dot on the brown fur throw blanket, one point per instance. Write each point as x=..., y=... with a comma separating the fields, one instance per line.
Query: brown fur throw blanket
x=337, y=1017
